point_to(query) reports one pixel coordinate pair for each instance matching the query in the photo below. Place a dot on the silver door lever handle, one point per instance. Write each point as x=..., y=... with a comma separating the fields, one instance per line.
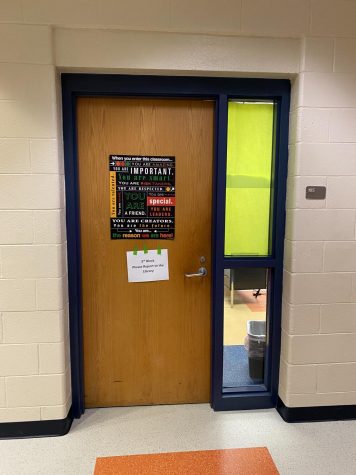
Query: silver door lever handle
x=202, y=272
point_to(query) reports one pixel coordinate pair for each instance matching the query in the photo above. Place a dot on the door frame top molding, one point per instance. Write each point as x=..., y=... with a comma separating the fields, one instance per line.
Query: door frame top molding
x=220, y=90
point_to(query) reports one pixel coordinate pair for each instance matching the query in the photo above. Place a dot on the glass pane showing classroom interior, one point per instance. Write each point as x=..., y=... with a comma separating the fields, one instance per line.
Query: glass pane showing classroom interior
x=245, y=304
x=249, y=178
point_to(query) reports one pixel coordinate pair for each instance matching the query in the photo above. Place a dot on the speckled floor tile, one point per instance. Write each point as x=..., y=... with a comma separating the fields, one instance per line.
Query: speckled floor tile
x=320, y=448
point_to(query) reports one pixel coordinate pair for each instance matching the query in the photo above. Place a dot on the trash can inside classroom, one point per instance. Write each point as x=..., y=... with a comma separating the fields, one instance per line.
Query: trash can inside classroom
x=256, y=346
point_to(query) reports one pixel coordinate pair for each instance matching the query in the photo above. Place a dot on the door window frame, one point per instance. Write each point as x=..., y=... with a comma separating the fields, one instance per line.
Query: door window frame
x=220, y=90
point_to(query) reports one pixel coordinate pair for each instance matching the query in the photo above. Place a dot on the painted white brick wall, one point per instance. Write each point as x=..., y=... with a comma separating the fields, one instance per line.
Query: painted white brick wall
x=313, y=43
x=319, y=316
x=164, y=53
x=33, y=297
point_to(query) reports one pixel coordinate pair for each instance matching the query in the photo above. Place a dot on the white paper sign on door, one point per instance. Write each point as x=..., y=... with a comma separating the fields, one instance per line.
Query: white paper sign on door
x=147, y=266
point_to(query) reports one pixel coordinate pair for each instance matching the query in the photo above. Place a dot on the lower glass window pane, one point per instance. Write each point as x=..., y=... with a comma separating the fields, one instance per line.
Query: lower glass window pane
x=245, y=323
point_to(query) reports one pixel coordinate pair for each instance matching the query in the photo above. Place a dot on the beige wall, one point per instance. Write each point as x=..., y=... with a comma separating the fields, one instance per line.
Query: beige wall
x=311, y=42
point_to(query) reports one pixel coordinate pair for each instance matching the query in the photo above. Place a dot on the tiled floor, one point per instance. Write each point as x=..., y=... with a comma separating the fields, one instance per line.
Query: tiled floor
x=246, y=307
x=304, y=449
x=248, y=461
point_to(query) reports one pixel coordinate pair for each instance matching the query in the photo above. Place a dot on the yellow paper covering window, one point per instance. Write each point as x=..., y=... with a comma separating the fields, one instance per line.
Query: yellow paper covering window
x=248, y=186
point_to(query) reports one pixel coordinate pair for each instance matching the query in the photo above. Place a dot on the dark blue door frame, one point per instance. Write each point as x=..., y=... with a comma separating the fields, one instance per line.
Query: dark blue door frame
x=220, y=90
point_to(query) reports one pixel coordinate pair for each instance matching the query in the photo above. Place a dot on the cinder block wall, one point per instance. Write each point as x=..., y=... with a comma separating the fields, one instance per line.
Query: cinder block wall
x=313, y=42
x=34, y=362
x=318, y=361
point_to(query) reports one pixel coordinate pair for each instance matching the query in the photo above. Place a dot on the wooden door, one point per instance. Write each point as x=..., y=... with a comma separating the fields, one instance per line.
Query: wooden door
x=146, y=343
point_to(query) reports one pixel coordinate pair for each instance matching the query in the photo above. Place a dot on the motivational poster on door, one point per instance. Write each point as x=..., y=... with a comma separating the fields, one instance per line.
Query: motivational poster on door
x=142, y=197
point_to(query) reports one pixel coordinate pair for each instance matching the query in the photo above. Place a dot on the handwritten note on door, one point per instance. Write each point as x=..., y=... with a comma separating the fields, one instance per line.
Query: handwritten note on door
x=147, y=266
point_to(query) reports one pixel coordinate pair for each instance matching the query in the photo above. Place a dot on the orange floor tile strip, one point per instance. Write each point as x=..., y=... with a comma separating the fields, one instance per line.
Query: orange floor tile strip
x=249, y=461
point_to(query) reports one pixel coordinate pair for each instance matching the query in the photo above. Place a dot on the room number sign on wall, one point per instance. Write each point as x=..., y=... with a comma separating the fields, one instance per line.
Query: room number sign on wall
x=142, y=197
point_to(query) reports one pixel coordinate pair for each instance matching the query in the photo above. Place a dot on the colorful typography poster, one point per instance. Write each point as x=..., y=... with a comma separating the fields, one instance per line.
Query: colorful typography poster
x=142, y=197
